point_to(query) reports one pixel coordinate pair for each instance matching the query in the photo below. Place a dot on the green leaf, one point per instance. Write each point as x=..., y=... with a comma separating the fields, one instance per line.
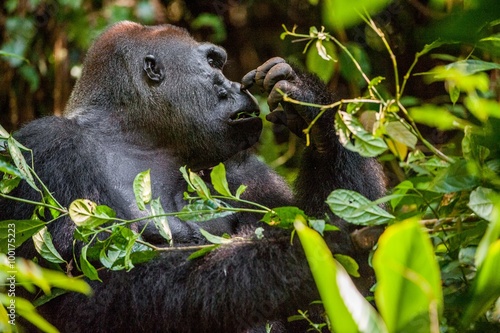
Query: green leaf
x=87, y=268
x=202, y=252
x=240, y=190
x=339, y=14
x=398, y=132
x=480, y=202
x=347, y=310
x=20, y=162
x=350, y=265
x=199, y=186
x=436, y=116
x=283, y=217
x=408, y=289
x=219, y=181
x=214, y=239
x=354, y=137
x=453, y=179
x=356, y=209
x=161, y=222
x=472, y=66
x=9, y=169
x=486, y=286
x=8, y=182
x=15, y=232
x=44, y=246
x=490, y=236
x=85, y=213
x=142, y=189
x=321, y=63
x=203, y=210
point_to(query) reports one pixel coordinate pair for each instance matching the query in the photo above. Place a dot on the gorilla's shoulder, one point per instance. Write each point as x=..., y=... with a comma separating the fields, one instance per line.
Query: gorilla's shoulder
x=51, y=134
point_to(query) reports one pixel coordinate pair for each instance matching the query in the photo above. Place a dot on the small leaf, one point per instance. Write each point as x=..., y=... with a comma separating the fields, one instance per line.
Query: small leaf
x=240, y=190
x=142, y=189
x=16, y=232
x=480, y=202
x=219, y=181
x=44, y=246
x=87, y=268
x=161, y=222
x=214, y=239
x=202, y=252
x=283, y=217
x=20, y=162
x=85, y=213
x=199, y=186
x=356, y=209
x=350, y=265
x=203, y=210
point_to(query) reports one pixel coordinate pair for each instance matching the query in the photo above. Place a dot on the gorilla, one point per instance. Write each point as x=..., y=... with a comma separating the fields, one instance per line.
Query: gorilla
x=151, y=97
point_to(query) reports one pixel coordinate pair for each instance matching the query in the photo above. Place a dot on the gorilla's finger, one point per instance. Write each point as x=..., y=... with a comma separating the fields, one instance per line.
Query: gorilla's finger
x=275, y=97
x=277, y=117
x=281, y=71
x=263, y=69
x=248, y=80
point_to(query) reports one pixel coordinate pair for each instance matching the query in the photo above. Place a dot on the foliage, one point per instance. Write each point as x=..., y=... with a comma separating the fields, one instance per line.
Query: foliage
x=437, y=262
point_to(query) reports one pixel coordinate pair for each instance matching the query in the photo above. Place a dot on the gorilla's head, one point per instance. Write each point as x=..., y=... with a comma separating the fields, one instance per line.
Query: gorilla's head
x=163, y=89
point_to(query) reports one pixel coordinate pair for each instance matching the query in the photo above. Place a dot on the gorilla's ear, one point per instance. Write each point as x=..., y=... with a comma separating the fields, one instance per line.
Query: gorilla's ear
x=153, y=68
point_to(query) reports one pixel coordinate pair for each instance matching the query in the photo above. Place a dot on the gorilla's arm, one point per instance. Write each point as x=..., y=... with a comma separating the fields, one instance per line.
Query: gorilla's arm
x=326, y=164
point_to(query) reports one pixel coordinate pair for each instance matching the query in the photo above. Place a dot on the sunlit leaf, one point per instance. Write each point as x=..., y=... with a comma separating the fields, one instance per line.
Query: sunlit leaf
x=44, y=246
x=355, y=208
x=214, y=239
x=161, y=222
x=490, y=236
x=471, y=66
x=408, y=292
x=347, y=310
x=354, y=137
x=219, y=181
x=399, y=132
x=436, y=116
x=282, y=217
x=20, y=162
x=480, y=202
x=349, y=264
x=142, y=189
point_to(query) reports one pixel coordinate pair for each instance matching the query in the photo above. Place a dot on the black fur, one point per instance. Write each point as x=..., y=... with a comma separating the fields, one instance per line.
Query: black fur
x=153, y=98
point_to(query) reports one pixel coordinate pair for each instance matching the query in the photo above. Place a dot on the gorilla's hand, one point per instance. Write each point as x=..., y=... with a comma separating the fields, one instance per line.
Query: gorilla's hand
x=276, y=75
x=273, y=76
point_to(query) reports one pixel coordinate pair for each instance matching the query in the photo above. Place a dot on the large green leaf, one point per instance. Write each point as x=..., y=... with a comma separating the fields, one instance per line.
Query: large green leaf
x=455, y=178
x=486, y=286
x=490, y=236
x=356, y=209
x=480, y=202
x=347, y=310
x=161, y=222
x=408, y=292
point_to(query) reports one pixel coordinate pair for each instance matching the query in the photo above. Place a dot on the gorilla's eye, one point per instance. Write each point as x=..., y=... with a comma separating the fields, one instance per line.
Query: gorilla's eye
x=215, y=60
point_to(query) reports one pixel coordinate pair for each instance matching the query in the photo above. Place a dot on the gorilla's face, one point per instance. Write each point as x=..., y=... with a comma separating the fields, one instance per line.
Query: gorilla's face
x=209, y=117
x=165, y=90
